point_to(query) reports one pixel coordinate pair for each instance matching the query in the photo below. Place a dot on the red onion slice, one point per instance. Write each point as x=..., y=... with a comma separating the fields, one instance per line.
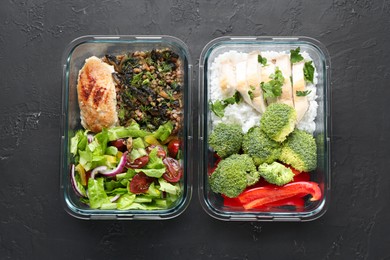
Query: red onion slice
x=74, y=182
x=90, y=138
x=115, y=198
x=110, y=173
x=97, y=170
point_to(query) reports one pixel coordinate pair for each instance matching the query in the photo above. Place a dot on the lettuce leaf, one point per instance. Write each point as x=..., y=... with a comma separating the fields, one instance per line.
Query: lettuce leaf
x=96, y=194
x=155, y=162
x=168, y=187
x=157, y=173
x=78, y=142
x=164, y=131
x=133, y=130
x=125, y=201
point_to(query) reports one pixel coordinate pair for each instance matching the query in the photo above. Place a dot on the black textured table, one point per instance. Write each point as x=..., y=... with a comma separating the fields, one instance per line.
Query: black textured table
x=33, y=223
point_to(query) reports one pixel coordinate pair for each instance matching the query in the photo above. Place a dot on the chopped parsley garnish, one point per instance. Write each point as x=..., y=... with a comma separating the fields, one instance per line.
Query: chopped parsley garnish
x=295, y=55
x=261, y=60
x=273, y=88
x=308, y=71
x=218, y=106
x=303, y=93
x=137, y=79
x=250, y=93
x=233, y=99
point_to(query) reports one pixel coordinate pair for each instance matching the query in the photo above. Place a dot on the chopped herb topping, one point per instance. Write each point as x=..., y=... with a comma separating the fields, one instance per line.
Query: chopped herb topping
x=261, y=60
x=303, y=93
x=308, y=71
x=218, y=106
x=250, y=93
x=273, y=88
x=295, y=55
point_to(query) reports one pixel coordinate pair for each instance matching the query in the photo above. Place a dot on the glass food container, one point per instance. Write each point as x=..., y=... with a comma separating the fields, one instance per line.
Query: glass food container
x=210, y=62
x=73, y=60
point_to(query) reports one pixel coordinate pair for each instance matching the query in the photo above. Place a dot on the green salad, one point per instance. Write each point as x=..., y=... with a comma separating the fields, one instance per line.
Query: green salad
x=127, y=168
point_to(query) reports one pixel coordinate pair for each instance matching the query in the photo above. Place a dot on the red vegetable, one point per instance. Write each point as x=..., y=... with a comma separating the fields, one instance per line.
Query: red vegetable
x=110, y=173
x=73, y=181
x=296, y=201
x=120, y=144
x=211, y=168
x=140, y=183
x=173, y=172
x=160, y=150
x=173, y=148
x=138, y=163
x=256, y=197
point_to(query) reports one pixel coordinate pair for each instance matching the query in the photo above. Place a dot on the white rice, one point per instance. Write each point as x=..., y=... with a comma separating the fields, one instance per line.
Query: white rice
x=244, y=114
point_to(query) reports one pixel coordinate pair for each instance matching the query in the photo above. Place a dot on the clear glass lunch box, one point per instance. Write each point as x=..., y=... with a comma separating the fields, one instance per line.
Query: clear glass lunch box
x=213, y=203
x=74, y=56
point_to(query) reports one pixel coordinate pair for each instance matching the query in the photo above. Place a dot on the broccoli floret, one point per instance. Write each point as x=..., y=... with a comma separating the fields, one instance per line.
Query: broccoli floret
x=276, y=173
x=226, y=139
x=278, y=121
x=300, y=151
x=260, y=147
x=233, y=175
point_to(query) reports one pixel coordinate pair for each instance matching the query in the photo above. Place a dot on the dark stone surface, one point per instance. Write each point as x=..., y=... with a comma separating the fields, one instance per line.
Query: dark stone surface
x=33, y=224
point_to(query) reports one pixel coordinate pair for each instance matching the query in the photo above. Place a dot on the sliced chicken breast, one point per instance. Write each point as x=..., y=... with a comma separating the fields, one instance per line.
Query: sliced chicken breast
x=301, y=104
x=227, y=81
x=253, y=78
x=242, y=84
x=96, y=95
x=284, y=64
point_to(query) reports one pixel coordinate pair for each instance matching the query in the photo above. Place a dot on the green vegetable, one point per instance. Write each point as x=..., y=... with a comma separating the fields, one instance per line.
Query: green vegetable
x=300, y=151
x=133, y=130
x=295, y=56
x=276, y=173
x=233, y=175
x=251, y=95
x=78, y=142
x=260, y=147
x=96, y=193
x=261, y=60
x=303, y=93
x=278, y=121
x=138, y=143
x=164, y=131
x=111, y=150
x=125, y=201
x=173, y=189
x=218, y=107
x=137, y=79
x=233, y=99
x=155, y=167
x=308, y=71
x=273, y=88
x=226, y=139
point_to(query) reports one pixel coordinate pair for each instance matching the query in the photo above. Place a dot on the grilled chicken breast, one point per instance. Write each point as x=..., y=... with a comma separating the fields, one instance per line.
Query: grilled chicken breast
x=96, y=95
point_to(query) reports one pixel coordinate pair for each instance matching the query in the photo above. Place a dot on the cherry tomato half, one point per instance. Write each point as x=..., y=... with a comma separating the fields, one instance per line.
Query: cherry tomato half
x=140, y=183
x=120, y=144
x=173, y=148
x=160, y=152
x=138, y=163
x=174, y=171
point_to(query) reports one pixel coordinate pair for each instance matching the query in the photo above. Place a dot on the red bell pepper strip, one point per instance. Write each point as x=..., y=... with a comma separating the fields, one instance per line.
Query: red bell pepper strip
x=211, y=167
x=260, y=196
x=296, y=201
